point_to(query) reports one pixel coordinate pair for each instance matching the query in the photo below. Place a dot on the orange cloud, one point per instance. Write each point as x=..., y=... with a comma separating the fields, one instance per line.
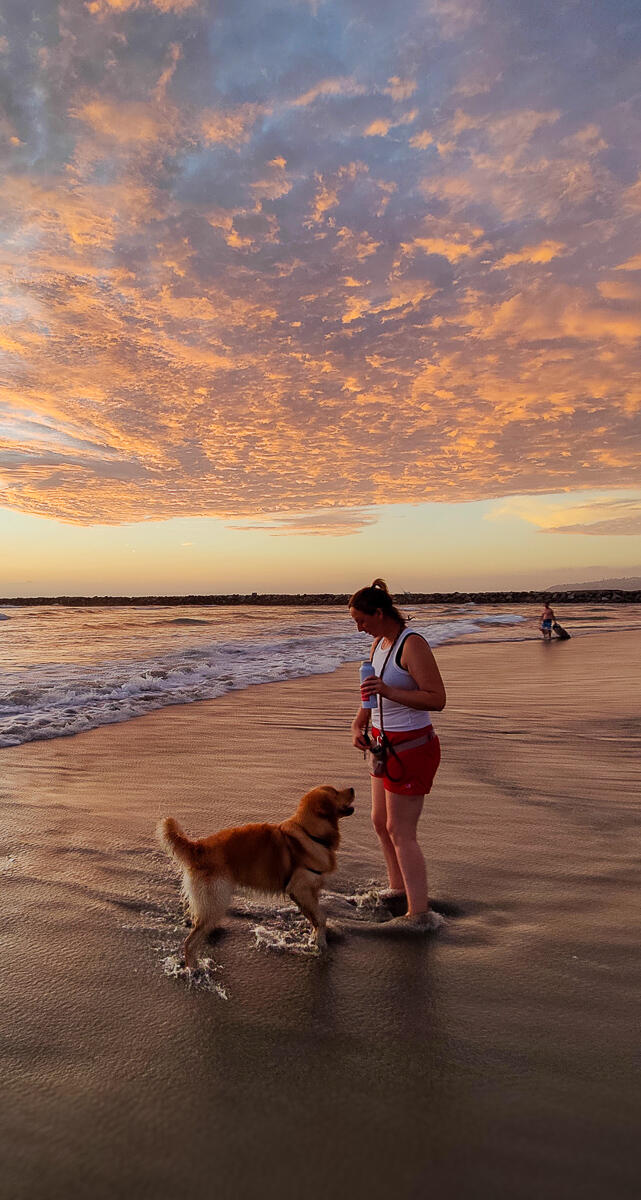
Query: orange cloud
x=600, y=517
x=449, y=248
x=631, y=264
x=357, y=306
x=615, y=289
x=103, y=7
x=544, y=252
x=125, y=123
x=400, y=89
x=449, y=239
x=335, y=523
x=222, y=298
x=422, y=140
x=378, y=128
x=231, y=126
x=329, y=189
x=340, y=86
x=554, y=313
x=632, y=197
x=356, y=244
x=381, y=126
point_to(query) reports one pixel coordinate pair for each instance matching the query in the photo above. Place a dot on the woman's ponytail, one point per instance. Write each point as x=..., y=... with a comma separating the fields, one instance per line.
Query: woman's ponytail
x=376, y=596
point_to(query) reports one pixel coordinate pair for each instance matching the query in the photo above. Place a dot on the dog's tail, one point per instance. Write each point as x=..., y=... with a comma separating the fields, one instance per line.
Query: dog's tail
x=176, y=843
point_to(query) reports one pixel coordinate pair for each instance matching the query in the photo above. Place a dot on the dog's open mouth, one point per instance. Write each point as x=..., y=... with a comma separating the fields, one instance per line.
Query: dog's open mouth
x=347, y=812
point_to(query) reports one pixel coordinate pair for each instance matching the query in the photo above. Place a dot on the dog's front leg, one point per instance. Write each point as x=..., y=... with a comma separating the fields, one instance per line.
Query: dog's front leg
x=305, y=896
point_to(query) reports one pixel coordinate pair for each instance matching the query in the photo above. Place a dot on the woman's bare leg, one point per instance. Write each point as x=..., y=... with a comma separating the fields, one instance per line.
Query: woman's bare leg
x=380, y=823
x=403, y=813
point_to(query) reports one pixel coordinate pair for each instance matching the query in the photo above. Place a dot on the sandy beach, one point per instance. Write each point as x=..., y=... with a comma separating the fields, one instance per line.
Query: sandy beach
x=495, y=1060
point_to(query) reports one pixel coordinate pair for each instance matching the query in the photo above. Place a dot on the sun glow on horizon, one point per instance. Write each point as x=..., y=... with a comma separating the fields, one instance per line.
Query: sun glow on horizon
x=430, y=547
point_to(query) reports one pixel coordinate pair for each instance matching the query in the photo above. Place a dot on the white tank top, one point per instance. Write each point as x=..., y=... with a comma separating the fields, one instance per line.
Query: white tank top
x=396, y=717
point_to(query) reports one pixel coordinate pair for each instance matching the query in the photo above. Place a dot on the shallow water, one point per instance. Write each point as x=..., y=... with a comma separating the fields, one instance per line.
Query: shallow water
x=494, y=1059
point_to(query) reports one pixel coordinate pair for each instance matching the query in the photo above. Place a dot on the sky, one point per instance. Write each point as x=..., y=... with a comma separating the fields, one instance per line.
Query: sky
x=295, y=294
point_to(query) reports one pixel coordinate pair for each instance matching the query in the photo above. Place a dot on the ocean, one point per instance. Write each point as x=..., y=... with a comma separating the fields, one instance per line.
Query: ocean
x=67, y=670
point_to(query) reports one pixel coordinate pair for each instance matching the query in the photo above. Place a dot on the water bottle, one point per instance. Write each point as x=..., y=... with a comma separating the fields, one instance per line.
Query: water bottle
x=366, y=670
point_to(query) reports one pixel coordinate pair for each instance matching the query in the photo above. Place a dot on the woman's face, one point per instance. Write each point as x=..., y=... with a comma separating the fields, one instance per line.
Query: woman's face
x=367, y=622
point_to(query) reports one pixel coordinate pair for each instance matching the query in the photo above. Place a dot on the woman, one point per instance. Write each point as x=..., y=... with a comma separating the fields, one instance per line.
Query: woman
x=407, y=685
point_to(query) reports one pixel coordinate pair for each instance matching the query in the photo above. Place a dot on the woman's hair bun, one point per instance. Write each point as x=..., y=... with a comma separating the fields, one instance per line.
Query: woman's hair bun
x=376, y=598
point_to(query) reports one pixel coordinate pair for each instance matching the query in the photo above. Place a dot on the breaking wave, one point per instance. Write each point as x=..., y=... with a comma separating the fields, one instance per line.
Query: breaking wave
x=43, y=700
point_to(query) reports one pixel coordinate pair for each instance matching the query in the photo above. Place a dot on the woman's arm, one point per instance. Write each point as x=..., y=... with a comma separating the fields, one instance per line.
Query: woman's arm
x=359, y=728
x=417, y=658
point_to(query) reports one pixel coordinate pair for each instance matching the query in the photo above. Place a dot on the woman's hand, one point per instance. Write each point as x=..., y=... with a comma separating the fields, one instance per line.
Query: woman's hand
x=359, y=733
x=373, y=686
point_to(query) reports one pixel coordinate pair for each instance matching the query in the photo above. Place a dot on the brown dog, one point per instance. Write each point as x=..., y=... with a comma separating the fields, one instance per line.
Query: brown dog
x=292, y=858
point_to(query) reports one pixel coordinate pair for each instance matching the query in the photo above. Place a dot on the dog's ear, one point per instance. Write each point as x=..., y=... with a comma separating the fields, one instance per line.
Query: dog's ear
x=321, y=803
x=326, y=806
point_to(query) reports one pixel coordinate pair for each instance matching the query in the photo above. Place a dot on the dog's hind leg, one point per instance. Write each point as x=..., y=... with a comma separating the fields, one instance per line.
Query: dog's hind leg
x=304, y=893
x=191, y=948
x=208, y=901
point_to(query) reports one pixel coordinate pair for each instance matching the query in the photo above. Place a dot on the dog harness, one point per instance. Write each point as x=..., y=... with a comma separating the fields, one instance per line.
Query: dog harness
x=321, y=841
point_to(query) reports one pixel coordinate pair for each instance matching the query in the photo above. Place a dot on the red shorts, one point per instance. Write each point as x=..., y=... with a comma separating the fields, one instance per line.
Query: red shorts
x=411, y=773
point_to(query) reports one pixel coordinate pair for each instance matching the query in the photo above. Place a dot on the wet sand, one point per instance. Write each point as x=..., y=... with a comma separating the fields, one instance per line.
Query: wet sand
x=494, y=1060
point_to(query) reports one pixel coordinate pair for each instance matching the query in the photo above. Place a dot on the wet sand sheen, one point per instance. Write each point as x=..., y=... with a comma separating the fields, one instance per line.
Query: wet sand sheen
x=491, y=1061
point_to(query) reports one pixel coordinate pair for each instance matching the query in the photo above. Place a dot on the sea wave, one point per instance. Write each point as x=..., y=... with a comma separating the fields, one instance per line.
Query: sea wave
x=49, y=700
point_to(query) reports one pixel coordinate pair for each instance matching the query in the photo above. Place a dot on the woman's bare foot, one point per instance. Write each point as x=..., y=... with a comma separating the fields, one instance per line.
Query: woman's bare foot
x=394, y=899
x=426, y=922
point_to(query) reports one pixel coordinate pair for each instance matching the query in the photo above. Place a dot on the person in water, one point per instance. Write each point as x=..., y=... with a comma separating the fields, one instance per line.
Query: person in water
x=546, y=621
x=407, y=685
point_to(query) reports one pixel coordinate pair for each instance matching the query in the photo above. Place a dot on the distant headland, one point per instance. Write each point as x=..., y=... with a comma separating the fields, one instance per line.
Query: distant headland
x=309, y=599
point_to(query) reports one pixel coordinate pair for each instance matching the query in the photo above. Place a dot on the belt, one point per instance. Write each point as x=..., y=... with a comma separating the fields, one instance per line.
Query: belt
x=399, y=747
x=413, y=743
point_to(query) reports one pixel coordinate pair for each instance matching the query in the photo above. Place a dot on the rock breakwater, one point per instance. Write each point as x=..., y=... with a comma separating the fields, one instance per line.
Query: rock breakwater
x=316, y=599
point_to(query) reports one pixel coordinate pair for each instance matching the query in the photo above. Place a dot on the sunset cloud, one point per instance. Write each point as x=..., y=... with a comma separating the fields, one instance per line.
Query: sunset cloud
x=328, y=87
x=543, y=253
x=336, y=523
x=599, y=517
x=279, y=287
x=125, y=123
x=229, y=126
x=97, y=7
x=400, y=89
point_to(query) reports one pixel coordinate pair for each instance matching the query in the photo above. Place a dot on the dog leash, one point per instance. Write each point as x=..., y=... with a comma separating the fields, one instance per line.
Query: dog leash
x=383, y=741
x=380, y=698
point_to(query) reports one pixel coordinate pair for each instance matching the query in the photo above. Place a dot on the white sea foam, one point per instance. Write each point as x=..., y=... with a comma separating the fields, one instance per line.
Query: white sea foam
x=291, y=938
x=279, y=928
x=203, y=976
x=69, y=671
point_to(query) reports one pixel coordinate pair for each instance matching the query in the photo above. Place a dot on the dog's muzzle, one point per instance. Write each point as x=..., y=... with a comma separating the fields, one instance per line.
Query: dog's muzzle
x=348, y=810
